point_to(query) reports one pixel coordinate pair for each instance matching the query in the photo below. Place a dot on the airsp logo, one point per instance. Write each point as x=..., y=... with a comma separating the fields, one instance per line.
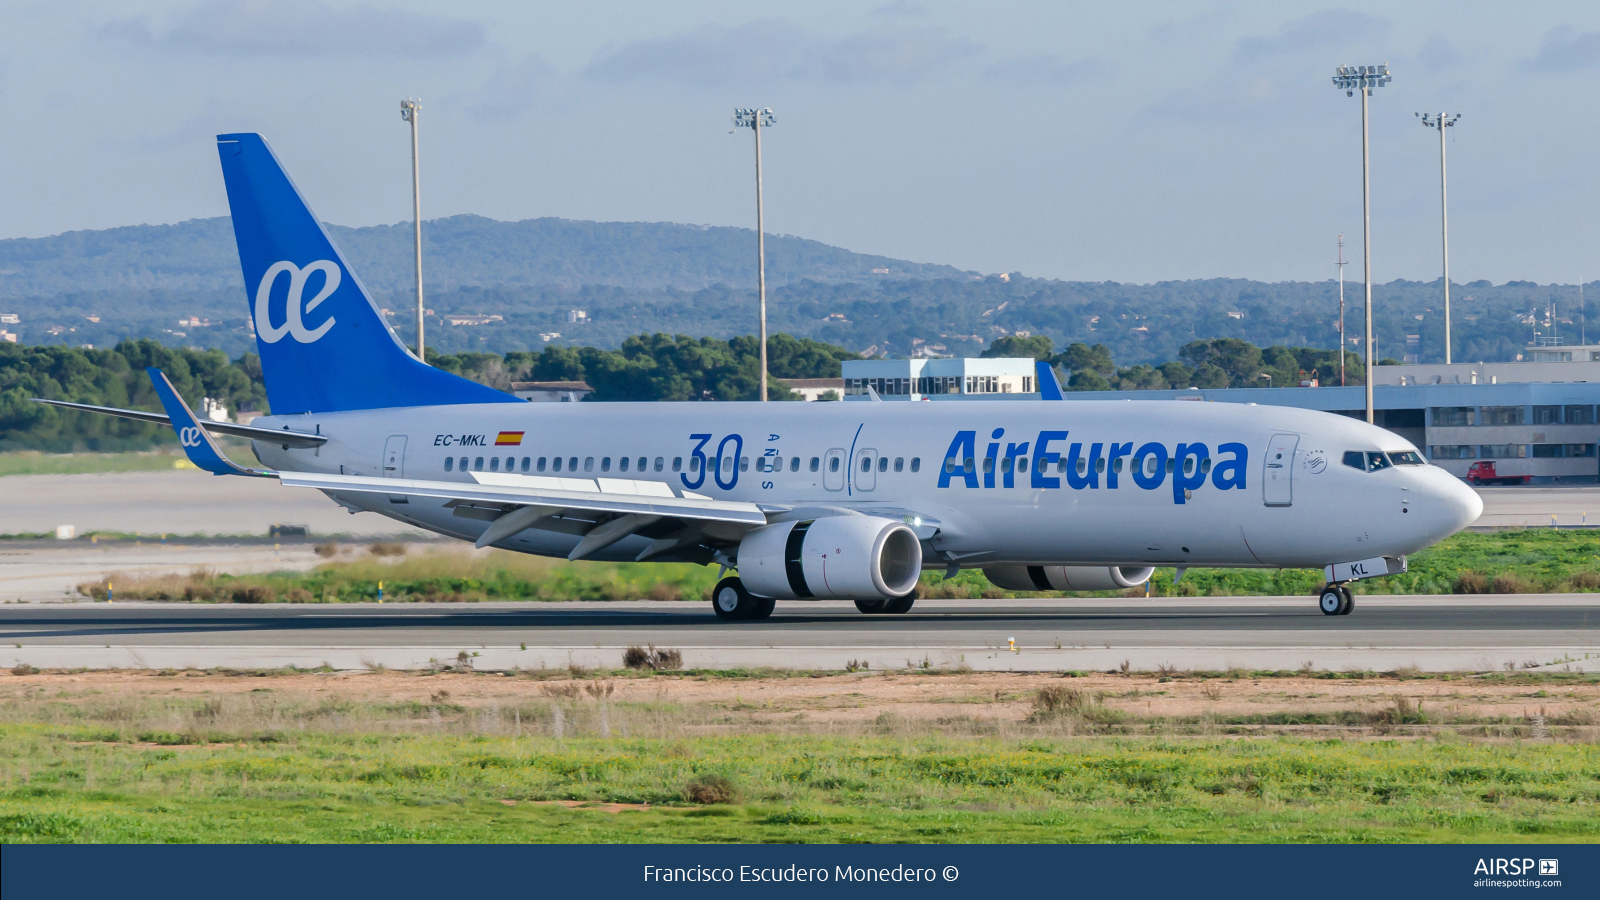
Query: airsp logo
x=189, y=437
x=293, y=312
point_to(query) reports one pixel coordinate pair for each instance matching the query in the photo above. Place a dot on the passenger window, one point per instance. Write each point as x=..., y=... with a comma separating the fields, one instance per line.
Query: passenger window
x=744, y=463
x=449, y=463
x=1005, y=464
x=794, y=463
x=1188, y=465
x=572, y=463
x=659, y=460
x=1099, y=465
x=1407, y=458
x=949, y=465
x=883, y=464
x=1355, y=460
x=1169, y=465
x=1116, y=464
x=525, y=462
x=557, y=463
x=1083, y=465
x=540, y=466
x=966, y=465
x=1205, y=466
x=477, y=464
x=605, y=464
x=866, y=464
x=1376, y=461
x=622, y=464
x=494, y=463
x=1061, y=466
x=814, y=463
x=694, y=464
x=463, y=465
x=916, y=463
x=899, y=463
x=588, y=463
x=645, y=462
x=988, y=464
x=833, y=464
x=677, y=463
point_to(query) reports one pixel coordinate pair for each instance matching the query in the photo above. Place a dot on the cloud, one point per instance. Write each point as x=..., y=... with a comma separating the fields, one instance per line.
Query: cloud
x=511, y=89
x=1334, y=26
x=774, y=50
x=1565, y=50
x=1050, y=70
x=299, y=29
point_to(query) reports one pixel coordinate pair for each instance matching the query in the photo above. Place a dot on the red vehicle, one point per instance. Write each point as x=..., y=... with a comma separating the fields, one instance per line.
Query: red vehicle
x=1484, y=473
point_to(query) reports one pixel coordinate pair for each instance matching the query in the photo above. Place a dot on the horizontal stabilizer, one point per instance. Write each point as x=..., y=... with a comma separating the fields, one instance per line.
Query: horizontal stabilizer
x=284, y=437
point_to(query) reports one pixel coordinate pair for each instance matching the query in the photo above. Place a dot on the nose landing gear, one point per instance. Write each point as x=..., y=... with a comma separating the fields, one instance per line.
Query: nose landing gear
x=1336, y=600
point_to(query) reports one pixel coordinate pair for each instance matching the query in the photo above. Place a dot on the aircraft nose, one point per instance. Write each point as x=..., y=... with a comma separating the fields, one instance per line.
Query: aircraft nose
x=1460, y=504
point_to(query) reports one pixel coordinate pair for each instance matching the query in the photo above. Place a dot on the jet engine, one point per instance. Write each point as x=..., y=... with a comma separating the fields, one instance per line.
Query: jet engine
x=1068, y=578
x=835, y=557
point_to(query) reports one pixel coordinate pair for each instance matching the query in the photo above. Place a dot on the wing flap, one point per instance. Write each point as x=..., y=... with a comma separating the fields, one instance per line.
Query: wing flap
x=707, y=509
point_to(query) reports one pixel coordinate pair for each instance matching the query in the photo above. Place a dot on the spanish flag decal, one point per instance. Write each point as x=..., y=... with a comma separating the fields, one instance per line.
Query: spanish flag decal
x=509, y=439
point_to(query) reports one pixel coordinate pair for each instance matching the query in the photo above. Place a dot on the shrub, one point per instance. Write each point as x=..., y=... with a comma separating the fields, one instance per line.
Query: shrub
x=711, y=789
x=1511, y=583
x=1586, y=581
x=326, y=551
x=381, y=549
x=23, y=668
x=1471, y=583
x=636, y=657
x=253, y=594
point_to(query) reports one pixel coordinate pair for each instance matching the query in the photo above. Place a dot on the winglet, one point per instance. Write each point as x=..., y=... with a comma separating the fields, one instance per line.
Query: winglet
x=201, y=448
x=1049, y=387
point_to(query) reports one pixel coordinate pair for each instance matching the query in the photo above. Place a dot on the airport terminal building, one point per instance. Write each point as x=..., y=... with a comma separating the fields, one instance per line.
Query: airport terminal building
x=1537, y=419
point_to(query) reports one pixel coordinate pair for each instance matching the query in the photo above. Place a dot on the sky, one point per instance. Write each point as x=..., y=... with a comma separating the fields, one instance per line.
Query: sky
x=1133, y=142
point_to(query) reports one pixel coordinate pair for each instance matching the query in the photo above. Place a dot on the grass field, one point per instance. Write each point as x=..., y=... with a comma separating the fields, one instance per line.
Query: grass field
x=1527, y=561
x=29, y=462
x=544, y=757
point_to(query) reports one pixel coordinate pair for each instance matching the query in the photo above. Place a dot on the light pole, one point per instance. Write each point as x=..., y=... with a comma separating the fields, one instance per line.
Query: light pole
x=755, y=120
x=1364, y=79
x=1341, y=308
x=1442, y=121
x=408, y=111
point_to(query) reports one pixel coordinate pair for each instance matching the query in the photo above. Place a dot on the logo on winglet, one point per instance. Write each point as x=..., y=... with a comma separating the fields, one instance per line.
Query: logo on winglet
x=295, y=307
x=190, y=436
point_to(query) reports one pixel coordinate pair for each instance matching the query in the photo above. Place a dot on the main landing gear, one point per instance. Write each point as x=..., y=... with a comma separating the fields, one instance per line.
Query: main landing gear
x=1336, y=600
x=731, y=602
x=890, y=606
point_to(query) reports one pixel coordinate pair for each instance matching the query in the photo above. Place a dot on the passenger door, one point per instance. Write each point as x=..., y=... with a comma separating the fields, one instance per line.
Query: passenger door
x=866, y=470
x=1277, y=478
x=833, y=473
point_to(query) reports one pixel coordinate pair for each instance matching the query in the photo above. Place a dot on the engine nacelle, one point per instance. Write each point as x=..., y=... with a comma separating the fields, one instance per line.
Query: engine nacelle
x=835, y=557
x=1068, y=578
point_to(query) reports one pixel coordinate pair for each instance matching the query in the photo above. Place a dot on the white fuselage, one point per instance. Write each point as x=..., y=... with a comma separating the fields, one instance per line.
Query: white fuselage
x=1303, y=508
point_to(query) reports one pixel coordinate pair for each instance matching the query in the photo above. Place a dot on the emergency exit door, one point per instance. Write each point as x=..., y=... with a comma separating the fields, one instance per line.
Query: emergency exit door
x=394, y=462
x=1277, y=477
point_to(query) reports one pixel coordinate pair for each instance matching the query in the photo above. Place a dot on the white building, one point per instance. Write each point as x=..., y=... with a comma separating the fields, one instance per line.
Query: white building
x=551, y=391
x=817, y=388
x=1582, y=364
x=941, y=379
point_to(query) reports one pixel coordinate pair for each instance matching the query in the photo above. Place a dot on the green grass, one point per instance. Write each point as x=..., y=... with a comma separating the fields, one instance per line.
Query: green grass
x=437, y=788
x=1501, y=562
x=29, y=462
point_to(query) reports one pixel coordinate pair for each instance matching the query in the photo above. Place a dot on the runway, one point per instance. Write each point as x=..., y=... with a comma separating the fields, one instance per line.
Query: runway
x=1384, y=633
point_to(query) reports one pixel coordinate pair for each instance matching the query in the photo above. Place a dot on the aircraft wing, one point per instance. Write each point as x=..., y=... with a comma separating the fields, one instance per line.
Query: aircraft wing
x=569, y=495
x=289, y=438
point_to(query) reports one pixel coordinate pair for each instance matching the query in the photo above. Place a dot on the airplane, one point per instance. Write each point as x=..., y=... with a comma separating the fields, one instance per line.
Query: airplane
x=802, y=501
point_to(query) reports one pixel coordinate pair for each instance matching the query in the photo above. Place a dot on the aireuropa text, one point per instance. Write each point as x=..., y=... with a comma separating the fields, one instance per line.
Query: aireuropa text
x=792, y=873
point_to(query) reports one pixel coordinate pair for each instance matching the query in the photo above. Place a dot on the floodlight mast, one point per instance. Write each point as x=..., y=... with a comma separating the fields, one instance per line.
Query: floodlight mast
x=1441, y=121
x=755, y=120
x=1341, y=264
x=408, y=111
x=1364, y=79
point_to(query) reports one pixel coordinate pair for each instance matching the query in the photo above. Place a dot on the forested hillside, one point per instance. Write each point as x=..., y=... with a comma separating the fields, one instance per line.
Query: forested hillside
x=633, y=278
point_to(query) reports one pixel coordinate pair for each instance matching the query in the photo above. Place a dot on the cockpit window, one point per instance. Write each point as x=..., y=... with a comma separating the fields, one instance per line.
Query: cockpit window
x=1355, y=459
x=1376, y=461
x=1407, y=458
x=1372, y=461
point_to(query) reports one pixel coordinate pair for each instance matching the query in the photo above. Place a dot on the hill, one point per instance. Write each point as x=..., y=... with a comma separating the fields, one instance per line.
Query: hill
x=200, y=255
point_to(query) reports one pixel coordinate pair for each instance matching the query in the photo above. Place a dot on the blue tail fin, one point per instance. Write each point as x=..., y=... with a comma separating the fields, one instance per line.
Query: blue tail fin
x=324, y=346
x=1049, y=387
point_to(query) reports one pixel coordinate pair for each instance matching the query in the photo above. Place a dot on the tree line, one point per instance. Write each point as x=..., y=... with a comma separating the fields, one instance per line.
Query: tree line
x=646, y=367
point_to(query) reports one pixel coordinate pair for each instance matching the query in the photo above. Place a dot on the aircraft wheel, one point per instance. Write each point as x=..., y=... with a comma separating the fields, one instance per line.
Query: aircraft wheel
x=901, y=604
x=1331, y=601
x=731, y=602
x=764, y=607
x=1349, y=600
x=874, y=606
